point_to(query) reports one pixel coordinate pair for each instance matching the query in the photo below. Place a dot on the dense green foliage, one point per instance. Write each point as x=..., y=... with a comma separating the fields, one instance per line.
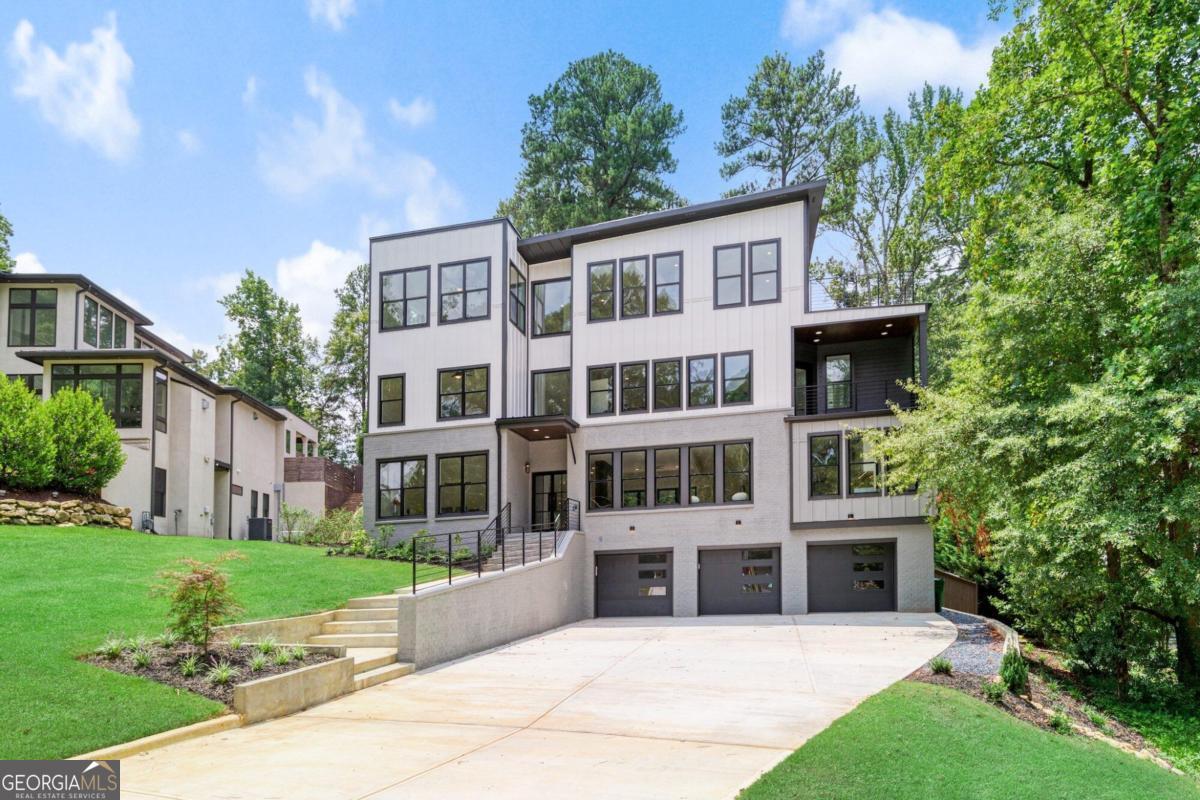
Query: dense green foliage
x=26, y=446
x=341, y=412
x=87, y=447
x=919, y=741
x=596, y=147
x=1014, y=671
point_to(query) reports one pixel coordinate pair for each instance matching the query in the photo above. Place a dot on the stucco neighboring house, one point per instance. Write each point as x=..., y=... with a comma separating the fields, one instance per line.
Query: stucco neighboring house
x=201, y=459
x=667, y=371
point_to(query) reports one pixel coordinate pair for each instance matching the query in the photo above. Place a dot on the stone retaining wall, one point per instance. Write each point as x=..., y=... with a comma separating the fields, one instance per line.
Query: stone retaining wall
x=63, y=513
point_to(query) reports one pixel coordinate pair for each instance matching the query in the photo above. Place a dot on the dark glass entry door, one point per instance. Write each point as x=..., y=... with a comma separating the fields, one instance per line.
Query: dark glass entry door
x=549, y=495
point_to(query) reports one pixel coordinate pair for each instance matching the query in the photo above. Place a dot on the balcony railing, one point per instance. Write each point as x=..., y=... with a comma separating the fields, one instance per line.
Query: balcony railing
x=842, y=397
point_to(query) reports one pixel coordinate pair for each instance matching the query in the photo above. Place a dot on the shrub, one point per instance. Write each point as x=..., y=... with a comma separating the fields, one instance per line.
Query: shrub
x=111, y=648
x=141, y=658
x=1096, y=718
x=297, y=522
x=86, y=444
x=236, y=642
x=189, y=666
x=941, y=666
x=167, y=639
x=282, y=657
x=298, y=653
x=1060, y=723
x=335, y=528
x=993, y=690
x=221, y=673
x=359, y=542
x=200, y=597
x=26, y=443
x=1014, y=671
x=267, y=646
x=258, y=663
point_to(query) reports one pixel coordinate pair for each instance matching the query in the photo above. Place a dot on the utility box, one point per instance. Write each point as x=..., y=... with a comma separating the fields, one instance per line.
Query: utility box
x=259, y=529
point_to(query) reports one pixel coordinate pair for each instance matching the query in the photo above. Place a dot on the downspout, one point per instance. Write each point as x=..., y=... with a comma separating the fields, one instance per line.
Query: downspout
x=153, y=440
x=229, y=505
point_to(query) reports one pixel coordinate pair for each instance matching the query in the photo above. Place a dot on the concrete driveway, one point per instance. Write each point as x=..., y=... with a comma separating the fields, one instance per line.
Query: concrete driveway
x=652, y=707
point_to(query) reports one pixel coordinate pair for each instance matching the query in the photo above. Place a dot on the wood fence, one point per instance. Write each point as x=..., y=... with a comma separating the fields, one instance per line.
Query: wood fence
x=960, y=594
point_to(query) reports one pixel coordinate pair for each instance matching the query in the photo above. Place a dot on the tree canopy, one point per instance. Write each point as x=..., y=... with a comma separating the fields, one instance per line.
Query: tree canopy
x=341, y=411
x=7, y=264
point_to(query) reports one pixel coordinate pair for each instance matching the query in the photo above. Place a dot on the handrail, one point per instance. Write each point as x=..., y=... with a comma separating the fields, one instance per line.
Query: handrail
x=842, y=396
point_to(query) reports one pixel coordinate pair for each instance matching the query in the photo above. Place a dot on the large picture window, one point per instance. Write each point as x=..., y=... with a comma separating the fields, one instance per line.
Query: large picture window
x=516, y=297
x=633, y=479
x=463, y=392
x=764, y=271
x=736, y=384
x=462, y=484
x=119, y=387
x=668, y=283
x=729, y=276
x=404, y=298
x=862, y=465
x=391, y=400
x=702, y=381
x=824, y=466
x=552, y=307
x=634, y=286
x=601, y=394
x=401, y=484
x=668, y=378
x=32, y=317
x=633, y=387
x=600, y=480
x=600, y=291
x=463, y=290
x=552, y=393
x=713, y=473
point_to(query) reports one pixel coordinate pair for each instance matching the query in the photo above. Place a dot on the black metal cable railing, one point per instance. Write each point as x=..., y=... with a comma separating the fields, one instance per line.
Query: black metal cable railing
x=846, y=396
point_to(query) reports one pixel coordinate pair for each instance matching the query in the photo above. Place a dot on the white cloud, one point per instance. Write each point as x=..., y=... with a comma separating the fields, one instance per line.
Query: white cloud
x=310, y=279
x=887, y=54
x=337, y=148
x=414, y=114
x=250, y=93
x=220, y=284
x=28, y=263
x=333, y=13
x=189, y=141
x=809, y=20
x=83, y=91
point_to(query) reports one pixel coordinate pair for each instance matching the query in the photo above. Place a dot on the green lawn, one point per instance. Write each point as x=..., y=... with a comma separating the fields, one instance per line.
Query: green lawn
x=63, y=590
x=914, y=740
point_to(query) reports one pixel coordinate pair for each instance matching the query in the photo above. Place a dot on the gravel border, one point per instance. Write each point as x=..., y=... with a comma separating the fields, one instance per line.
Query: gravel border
x=978, y=648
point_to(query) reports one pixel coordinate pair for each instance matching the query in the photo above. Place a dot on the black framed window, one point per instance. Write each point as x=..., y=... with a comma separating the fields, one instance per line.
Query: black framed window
x=404, y=298
x=401, y=488
x=668, y=377
x=462, y=484
x=838, y=381
x=702, y=381
x=633, y=387
x=764, y=271
x=91, y=312
x=552, y=392
x=600, y=291
x=735, y=472
x=158, y=495
x=391, y=400
x=729, y=275
x=600, y=480
x=287, y=441
x=253, y=503
x=462, y=392
x=601, y=391
x=668, y=283
x=552, y=307
x=666, y=476
x=463, y=289
x=106, y=329
x=32, y=317
x=119, y=387
x=702, y=475
x=862, y=465
x=266, y=498
x=516, y=297
x=160, y=401
x=824, y=465
x=32, y=381
x=736, y=378
x=634, y=286
x=120, y=331
x=633, y=479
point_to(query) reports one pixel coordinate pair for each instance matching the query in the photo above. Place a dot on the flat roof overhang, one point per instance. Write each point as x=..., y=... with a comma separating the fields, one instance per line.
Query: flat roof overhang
x=537, y=429
x=858, y=330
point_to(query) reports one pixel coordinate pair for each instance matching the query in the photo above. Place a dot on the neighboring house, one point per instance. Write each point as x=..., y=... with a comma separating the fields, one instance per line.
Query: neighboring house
x=667, y=371
x=313, y=482
x=201, y=459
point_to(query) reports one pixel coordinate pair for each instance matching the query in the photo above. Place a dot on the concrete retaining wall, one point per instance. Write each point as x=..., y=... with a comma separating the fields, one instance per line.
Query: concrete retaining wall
x=279, y=695
x=287, y=629
x=447, y=622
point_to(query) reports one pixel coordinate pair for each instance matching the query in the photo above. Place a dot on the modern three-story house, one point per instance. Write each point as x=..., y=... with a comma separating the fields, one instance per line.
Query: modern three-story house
x=669, y=372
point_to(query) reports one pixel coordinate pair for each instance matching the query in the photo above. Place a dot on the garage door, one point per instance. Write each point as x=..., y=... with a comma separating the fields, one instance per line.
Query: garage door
x=633, y=584
x=852, y=577
x=739, y=581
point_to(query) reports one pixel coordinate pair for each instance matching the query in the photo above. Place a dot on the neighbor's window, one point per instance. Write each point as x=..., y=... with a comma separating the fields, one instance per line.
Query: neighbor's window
x=666, y=476
x=634, y=286
x=729, y=266
x=160, y=401
x=862, y=464
x=633, y=387
x=552, y=307
x=91, y=311
x=312, y=448
x=462, y=392
x=764, y=272
x=702, y=381
x=462, y=484
x=735, y=378
x=824, y=469
x=735, y=472
x=600, y=290
x=463, y=290
x=600, y=480
x=391, y=400
x=668, y=283
x=401, y=488
x=404, y=298
x=702, y=474
x=287, y=441
x=667, y=378
x=158, y=497
x=552, y=393
x=119, y=330
x=837, y=381
x=106, y=328
x=119, y=387
x=601, y=395
x=516, y=297
x=32, y=317
x=32, y=381
x=633, y=479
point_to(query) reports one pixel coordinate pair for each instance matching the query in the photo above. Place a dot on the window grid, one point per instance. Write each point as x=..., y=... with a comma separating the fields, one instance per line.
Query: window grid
x=462, y=392
x=601, y=390
x=464, y=291
x=765, y=272
x=601, y=307
x=119, y=387
x=633, y=387
x=32, y=317
x=668, y=283
x=401, y=488
x=702, y=381
x=737, y=378
x=404, y=298
x=462, y=484
x=668, y=379
x=714, y=474
x=391, y=400
x=729, y=276
x=633, y=479
x=634, y=287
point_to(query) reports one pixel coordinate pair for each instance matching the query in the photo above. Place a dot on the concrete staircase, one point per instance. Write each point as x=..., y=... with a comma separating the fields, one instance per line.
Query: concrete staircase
x=366, y=627
x=512, y=555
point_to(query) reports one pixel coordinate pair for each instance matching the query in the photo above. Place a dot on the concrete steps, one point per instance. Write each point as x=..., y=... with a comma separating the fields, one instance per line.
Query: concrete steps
x=356, y=639
x=378, y=601
x=364, y=614
x=368, y=658
x=361, y=626
x=387, y=672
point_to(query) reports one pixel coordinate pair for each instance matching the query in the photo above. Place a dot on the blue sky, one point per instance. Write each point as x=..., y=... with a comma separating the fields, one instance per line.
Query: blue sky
x=163, y=148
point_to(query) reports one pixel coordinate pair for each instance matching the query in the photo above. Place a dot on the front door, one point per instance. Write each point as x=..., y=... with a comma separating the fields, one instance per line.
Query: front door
x=549, y=494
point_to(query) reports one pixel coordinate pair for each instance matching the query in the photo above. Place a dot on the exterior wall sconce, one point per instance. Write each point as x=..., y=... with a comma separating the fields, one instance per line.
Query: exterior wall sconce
x=849, y=516
x=737, y=523
x=633, y=529
x=527, y=468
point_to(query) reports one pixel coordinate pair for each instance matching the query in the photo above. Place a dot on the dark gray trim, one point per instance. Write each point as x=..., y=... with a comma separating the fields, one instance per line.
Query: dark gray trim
x=749, y=402
x=612, y=262
x=85, y=284
x=645, y=387
x=379, y=379
x=840, y=471
x=778, y=271
x=428, y=294
x=857, y=523
x=646, y=279
x=440, y=229
x=532, y=403
x=588, y=389
x=684, y=476
x=687, y=380
x=379, y=462
x=533, y=334
x=654, y=283
x=465, y=291
x=654, y=383
x=438, y=394
x=437, y=487
x=741, y=248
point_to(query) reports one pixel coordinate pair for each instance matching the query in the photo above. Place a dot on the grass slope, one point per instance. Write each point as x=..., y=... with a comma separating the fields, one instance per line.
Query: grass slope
x=914, y=740
x=63, y=590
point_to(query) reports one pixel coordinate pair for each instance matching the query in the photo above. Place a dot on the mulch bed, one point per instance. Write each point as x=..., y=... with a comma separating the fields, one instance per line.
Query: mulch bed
x=43, y=495
x=165, y=667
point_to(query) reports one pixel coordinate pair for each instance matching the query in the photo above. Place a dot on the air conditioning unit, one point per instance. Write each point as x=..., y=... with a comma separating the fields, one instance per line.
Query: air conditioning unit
x=259, y=529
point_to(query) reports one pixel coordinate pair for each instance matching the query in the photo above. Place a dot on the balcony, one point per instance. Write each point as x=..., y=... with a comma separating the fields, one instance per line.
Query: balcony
x=851, y=397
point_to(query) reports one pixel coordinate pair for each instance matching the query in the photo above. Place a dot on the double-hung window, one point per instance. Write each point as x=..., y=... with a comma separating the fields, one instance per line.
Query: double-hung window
x=552, y=392
x=32, y=317
x=735, y=472
x=391, y=400
x=600, y=480
x=824, y=465
x=633, y=387
x=601, y=394
x=552, y=307
x=666, y=476
x=404, y=298
x=702, y=381
x=463, y=392
x=668, y=376
x=862, y=465
x=119, y=387
x=668, y=283
x=736, y=384
x=633, y=479
x=764, y=271
x=838, y=382
x=516, y=297
x=729, y=276
x=401, y=484
x=462, y=484
x=601, y=291
x=463, y=289
x=702, y=475
x=634, y=286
